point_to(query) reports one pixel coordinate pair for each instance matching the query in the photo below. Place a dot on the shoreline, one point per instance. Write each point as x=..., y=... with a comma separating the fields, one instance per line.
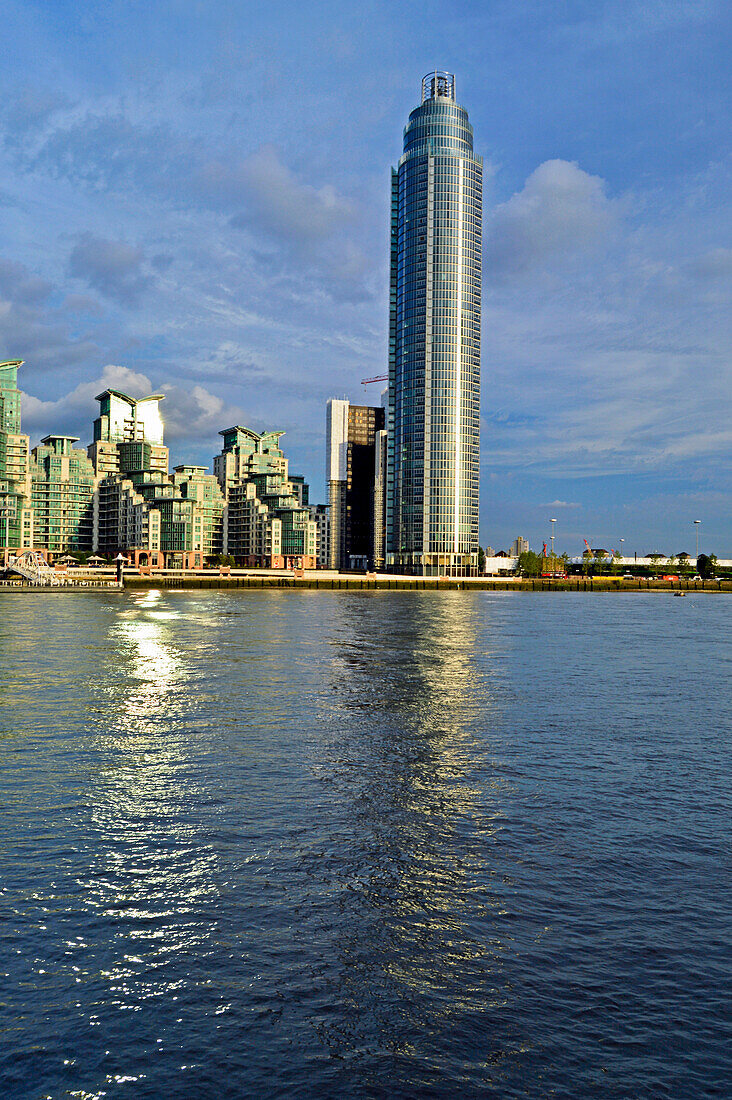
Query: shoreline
x=172, y=581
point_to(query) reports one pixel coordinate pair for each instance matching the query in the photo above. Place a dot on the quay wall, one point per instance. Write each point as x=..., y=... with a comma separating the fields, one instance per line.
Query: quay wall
x=173, y=579
x=384, y=583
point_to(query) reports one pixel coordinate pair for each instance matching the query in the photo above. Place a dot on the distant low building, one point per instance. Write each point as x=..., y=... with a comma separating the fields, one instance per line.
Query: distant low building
x=301, y=489
x=196, y=484
x=320, y=514
x=140, y=510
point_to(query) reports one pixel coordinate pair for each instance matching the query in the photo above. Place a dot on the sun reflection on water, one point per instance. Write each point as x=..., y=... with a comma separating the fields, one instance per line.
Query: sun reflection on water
x=153, y=874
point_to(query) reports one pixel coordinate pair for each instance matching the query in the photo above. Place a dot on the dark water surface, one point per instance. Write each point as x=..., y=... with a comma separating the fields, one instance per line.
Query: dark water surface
x=364, y=844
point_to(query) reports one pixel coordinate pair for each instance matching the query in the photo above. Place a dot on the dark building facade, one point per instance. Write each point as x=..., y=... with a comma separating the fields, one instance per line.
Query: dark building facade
x=352, y=433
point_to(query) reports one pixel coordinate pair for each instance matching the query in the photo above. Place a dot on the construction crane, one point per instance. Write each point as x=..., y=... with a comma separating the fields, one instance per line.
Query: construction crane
x=378, y=378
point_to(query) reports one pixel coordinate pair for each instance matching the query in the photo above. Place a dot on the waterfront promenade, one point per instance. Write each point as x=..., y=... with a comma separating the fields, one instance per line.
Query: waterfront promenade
x=329, y=580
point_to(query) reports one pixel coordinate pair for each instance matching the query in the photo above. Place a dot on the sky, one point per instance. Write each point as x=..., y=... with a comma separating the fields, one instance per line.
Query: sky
x=194, y=200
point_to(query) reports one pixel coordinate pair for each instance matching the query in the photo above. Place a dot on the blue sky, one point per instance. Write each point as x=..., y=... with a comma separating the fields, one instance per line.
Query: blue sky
x=194, y=199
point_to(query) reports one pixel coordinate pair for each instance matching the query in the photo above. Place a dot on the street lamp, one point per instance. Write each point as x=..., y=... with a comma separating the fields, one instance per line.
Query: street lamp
x=552, y=521
x=696, y=524
x=622, y=555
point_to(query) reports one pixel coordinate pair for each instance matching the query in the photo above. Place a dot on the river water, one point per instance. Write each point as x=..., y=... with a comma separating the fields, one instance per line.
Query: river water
x=398, y=844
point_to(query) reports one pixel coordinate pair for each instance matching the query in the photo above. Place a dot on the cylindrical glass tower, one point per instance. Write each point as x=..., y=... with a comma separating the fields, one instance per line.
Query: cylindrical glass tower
x=434, y=347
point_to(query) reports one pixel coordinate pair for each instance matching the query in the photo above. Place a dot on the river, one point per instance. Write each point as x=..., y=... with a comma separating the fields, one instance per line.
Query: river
x=398, y=844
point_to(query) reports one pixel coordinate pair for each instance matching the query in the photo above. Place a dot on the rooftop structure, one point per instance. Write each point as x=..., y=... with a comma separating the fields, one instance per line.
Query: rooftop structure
x=125, y=423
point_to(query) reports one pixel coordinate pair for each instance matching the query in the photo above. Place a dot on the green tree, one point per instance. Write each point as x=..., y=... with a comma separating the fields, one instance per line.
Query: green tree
x=529, y=564
x=599, y=561
x=655, y=560
x=706, y=565
x=481, y=560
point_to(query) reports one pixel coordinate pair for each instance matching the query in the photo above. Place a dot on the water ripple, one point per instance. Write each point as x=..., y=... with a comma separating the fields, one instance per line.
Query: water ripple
x=370, y=844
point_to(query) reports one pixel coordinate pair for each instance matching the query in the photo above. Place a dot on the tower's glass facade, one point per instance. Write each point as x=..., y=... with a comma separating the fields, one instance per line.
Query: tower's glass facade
x=434, y=340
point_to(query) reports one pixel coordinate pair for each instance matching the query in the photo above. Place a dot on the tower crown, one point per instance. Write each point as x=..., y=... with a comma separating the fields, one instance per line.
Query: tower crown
x=438, y=84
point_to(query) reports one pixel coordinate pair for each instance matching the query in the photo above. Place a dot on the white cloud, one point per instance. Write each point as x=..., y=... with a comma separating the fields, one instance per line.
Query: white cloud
x=192, y=414
x=278, y=202
x=197, y=414
x=560, y=210
x=76, y=408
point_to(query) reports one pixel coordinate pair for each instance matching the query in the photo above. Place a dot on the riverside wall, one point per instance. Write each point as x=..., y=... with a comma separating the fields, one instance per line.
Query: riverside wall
x=176, y=579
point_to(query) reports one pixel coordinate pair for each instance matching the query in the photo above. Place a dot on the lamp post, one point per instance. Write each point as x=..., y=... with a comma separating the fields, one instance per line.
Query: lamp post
x=552, y=521
x=696, y=524
x=622, y=555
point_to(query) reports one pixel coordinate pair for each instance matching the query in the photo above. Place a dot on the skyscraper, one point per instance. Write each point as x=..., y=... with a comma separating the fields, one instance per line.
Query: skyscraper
x=434, y=340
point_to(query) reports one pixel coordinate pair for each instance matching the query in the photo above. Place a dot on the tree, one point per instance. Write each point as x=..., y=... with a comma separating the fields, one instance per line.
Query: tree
x=529, y=564
x=616, y=563
x=655, y=560
x=706, y=565
x=599, y=560
x=481, y=560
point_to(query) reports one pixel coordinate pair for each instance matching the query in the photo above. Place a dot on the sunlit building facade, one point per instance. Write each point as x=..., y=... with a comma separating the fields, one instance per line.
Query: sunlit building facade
x=153, y=517
x=62, y=482
x=434, y=340
x=265, y=523
x=16, y=512
x=126, y=420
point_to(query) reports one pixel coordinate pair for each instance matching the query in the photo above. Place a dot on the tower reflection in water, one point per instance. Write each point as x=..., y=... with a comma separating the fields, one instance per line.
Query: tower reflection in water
x=418, y=929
